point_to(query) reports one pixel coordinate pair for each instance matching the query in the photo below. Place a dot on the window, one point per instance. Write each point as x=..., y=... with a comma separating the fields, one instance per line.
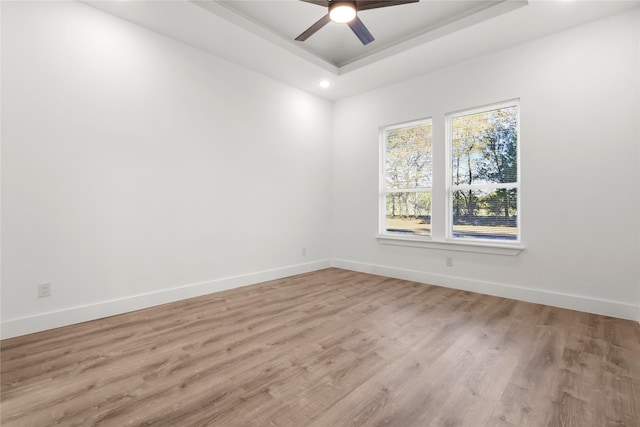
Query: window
x=483, y=178
x=474, y=196
x=407, y=175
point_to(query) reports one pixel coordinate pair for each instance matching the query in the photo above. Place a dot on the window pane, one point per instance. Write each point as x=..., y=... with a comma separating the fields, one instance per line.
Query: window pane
x=484, y=147
x=485, y=214
x=408, y=213
x=408, y=156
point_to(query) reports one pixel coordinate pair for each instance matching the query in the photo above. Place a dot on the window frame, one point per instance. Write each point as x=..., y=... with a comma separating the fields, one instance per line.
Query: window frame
x=449, y=187
x=441, y=229
x=383, y=191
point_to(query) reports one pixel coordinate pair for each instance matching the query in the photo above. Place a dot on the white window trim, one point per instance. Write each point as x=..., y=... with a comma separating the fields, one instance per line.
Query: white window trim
x=382, y=190
x=477, y=246
x=449, y=184
x=448, y=243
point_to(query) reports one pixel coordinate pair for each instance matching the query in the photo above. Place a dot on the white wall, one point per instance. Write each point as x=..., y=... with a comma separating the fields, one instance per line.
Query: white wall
x=579, y=93
x=137, y=170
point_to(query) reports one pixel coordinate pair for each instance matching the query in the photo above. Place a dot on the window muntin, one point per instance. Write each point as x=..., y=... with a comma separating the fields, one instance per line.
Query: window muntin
x=407, y=178
x=483, y=145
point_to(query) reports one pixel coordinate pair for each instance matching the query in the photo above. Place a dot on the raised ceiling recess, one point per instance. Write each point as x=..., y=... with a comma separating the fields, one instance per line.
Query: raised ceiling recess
x=410, y=40
x=391, y=26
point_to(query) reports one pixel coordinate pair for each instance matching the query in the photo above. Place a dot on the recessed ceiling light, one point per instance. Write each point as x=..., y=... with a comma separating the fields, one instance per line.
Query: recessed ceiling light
x=325, y=84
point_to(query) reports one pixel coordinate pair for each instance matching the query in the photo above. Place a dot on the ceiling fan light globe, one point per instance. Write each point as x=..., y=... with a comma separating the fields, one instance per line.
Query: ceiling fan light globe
x=342, y=12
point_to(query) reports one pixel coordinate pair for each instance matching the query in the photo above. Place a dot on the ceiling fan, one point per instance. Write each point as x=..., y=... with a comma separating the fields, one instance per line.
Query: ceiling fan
x=346, y=12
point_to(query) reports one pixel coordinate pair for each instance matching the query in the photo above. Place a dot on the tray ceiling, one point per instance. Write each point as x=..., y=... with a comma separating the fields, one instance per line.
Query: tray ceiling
x=411, y=39
x=336, y=43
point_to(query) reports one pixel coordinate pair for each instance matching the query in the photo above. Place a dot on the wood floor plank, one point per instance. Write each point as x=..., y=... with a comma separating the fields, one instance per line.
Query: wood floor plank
x=329, y=348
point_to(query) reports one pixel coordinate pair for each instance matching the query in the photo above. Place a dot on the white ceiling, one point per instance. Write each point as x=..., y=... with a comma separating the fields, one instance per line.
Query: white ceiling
x=336, y=43
x=411, y=39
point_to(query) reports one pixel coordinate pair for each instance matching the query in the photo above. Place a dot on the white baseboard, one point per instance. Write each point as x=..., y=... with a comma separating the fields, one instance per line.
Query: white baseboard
x=30, y=324
x=574, y=302
x=26, y=325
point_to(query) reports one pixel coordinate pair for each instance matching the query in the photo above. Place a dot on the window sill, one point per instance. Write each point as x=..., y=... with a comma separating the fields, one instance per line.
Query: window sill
x=509, y=249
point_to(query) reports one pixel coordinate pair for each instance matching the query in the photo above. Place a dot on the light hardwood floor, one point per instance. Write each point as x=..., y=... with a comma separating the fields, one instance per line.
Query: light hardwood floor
x=329, y=348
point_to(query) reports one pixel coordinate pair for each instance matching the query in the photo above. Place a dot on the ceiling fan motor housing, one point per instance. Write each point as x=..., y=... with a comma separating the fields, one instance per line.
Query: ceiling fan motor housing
x=346, y=12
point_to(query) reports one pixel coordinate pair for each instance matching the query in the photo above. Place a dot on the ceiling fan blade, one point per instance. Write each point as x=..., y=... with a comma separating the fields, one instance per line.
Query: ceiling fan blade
x=324, y=3
x=315, y=27
x=375, y=4
x=361, y=31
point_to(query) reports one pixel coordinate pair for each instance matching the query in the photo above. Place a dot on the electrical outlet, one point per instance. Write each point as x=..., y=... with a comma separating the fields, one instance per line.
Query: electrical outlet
x=449, y=261
x=44, y=290
x=304, y=251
